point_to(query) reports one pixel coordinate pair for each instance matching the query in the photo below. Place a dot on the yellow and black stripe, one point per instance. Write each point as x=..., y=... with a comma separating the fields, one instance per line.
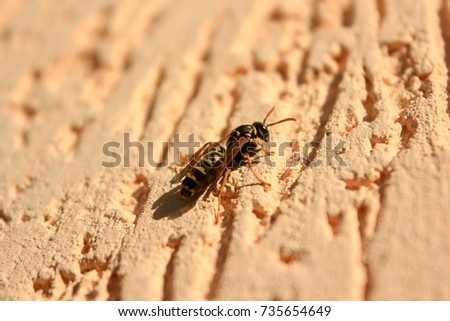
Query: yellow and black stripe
x=198, y=173
x=247, y=131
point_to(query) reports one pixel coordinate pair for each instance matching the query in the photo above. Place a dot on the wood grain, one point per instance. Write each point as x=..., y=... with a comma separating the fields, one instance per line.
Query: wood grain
x=373, y=75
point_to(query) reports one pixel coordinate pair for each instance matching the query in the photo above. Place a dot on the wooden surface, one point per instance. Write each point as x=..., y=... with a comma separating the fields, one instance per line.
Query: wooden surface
x=75, y=75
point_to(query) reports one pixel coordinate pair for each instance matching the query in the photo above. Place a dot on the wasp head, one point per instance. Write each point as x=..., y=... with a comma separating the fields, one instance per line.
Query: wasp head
x=261, y=131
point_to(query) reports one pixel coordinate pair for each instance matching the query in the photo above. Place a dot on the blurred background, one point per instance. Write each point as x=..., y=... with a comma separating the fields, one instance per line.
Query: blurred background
x=372, y=74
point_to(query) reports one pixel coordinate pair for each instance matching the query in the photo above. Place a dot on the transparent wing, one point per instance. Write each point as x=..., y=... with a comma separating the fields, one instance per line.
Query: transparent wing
x=205, y=149
x=230, y=154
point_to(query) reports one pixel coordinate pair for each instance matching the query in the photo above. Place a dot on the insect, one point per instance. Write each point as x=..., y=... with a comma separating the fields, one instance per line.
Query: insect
x=243, y=143
x=201, y=169
x=213, y=163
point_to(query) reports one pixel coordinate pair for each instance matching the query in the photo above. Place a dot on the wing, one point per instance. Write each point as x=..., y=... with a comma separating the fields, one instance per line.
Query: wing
x=205, y=149
x=230, y=154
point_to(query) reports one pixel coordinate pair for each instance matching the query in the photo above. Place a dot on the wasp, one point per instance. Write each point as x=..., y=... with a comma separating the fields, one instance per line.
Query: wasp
x=201, y=169
x=213, y=162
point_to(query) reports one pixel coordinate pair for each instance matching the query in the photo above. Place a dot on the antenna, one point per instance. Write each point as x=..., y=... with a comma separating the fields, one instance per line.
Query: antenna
x=278, y=122
x=268, y=114
x=282, y=121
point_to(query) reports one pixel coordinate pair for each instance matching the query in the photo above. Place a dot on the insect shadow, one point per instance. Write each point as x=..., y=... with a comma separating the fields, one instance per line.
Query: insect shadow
x=169, y=204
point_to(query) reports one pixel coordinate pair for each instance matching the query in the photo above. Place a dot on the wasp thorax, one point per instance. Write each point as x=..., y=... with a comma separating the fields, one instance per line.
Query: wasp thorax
x=261, y=131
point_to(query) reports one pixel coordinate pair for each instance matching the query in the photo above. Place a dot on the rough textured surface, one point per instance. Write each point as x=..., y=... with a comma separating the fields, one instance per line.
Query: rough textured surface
x=373, y=73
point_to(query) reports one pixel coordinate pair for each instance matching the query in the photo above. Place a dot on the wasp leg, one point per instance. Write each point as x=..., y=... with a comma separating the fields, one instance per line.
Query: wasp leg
x=266, y=150
x=265, y=184
x=257, y=157
x=219, y=199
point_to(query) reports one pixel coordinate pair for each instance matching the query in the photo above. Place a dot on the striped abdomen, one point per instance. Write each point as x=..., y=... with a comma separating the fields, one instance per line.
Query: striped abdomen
x=198, y=173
